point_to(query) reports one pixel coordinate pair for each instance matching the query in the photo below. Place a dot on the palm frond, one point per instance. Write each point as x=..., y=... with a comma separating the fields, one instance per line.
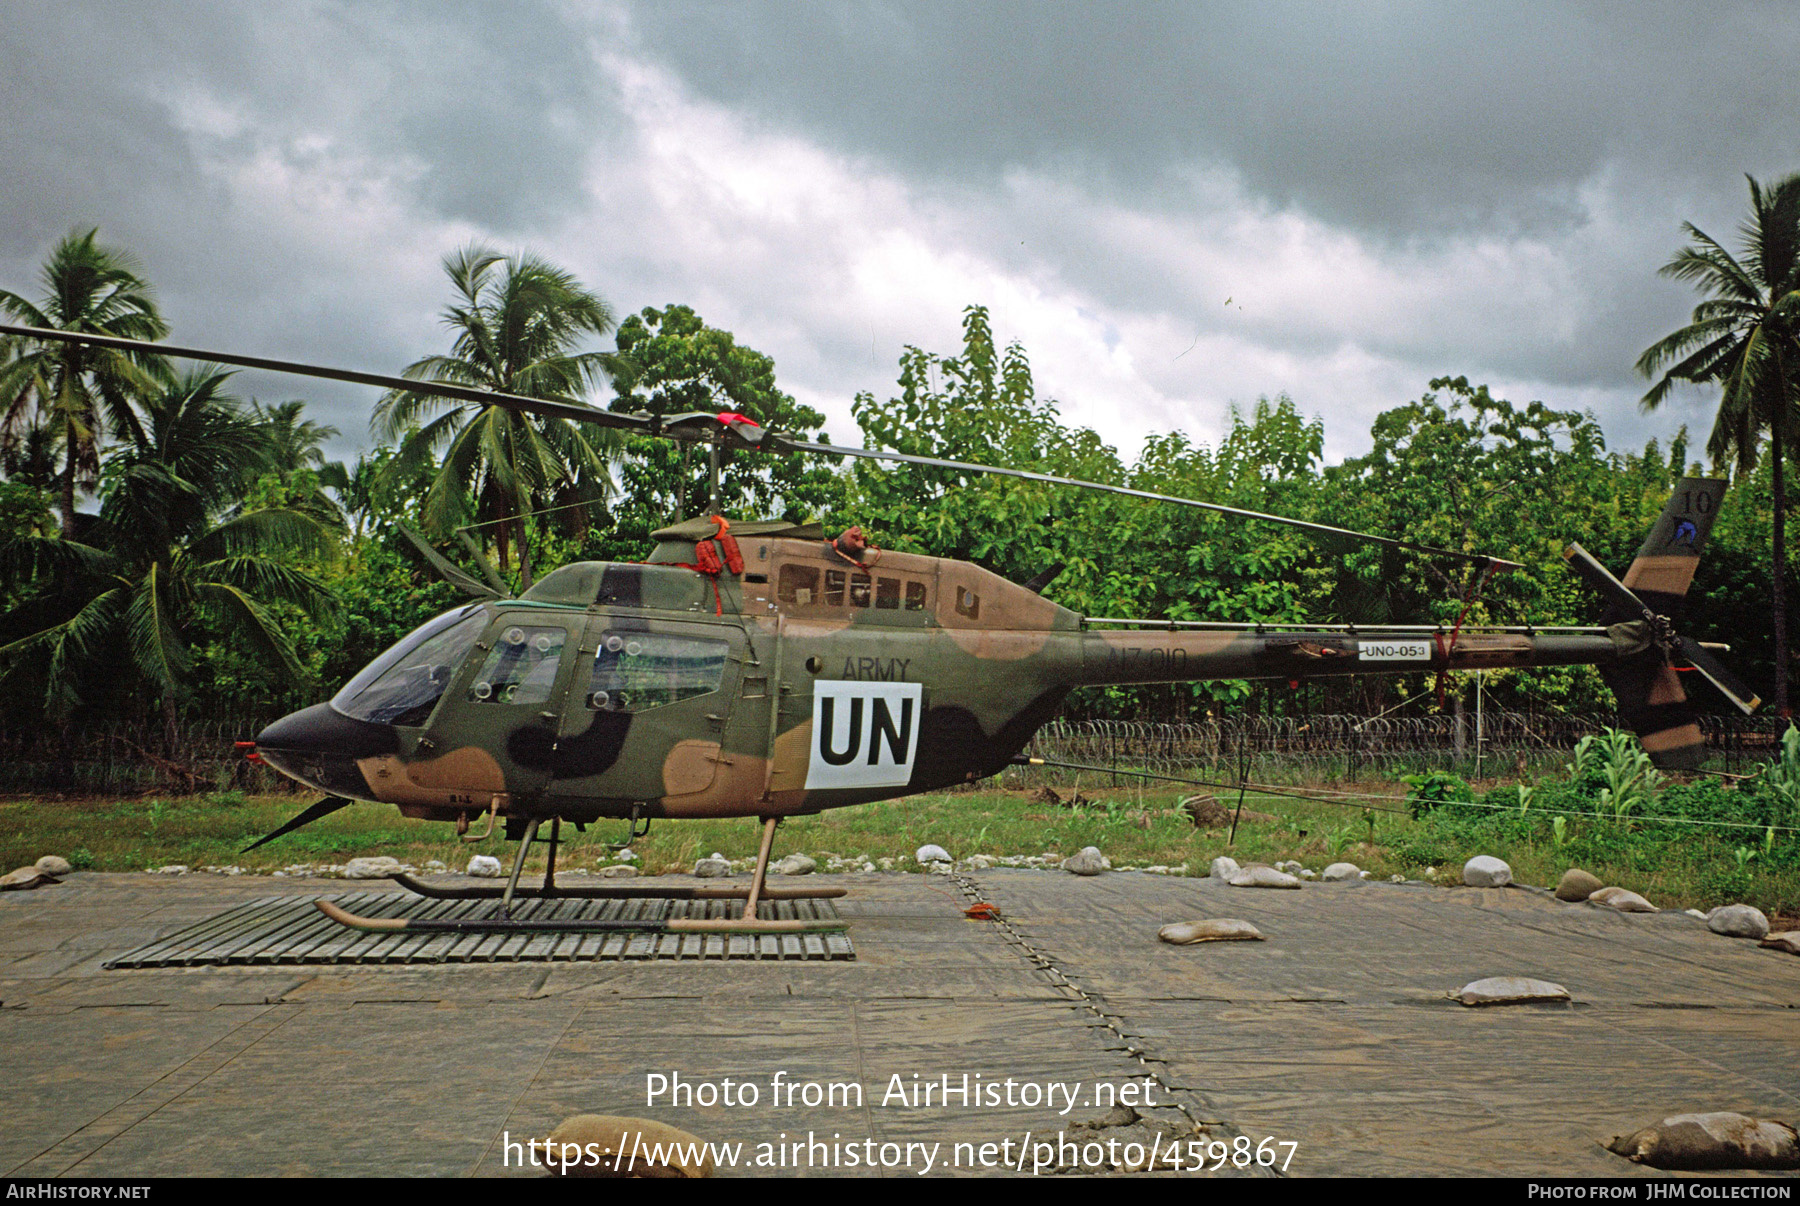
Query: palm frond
x=157, y=647
x=247, y=620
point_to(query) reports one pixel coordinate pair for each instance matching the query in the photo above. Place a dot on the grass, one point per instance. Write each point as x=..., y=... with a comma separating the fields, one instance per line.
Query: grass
x=1132, y=826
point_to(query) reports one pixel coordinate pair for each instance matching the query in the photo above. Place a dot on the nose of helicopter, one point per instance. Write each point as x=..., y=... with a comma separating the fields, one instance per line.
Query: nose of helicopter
x=321, y=747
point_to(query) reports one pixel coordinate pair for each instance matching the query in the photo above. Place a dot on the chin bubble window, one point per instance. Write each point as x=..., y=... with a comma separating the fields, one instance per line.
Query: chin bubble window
x=521, y=667
x=636, y=671
x=968, y=603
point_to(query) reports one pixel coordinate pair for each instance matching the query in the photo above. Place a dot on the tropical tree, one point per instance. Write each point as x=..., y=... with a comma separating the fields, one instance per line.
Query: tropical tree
x=159, y=570
x=294, y=465
x=671, y=362
x=80, y=394
x=516, y=321
x=1745, y=337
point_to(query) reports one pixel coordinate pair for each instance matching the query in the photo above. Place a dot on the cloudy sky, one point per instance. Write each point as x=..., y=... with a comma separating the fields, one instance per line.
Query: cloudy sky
x=1172, y=207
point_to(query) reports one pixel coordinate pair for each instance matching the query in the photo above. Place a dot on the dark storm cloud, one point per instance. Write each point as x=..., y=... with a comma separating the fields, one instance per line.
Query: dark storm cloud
x=1387, y=192
x=1397, y=117
x=153, y=121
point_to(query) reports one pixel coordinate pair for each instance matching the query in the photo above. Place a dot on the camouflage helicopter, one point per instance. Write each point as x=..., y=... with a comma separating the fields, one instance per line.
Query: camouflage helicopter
x=758, y=669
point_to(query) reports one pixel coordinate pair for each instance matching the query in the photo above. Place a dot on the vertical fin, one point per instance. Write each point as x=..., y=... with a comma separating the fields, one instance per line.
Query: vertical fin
x=1652, y=700
x=1665, y=565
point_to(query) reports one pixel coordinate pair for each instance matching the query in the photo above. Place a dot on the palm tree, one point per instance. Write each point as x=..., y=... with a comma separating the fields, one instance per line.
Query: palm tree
x=80, y=392
x=516, y=321
x=292, y=454
x=1745, y=337
x=159, y=569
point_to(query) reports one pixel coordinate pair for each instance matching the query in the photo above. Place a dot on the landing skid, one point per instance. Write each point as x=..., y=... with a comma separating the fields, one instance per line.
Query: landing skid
x=504, y=923
x=615, y=892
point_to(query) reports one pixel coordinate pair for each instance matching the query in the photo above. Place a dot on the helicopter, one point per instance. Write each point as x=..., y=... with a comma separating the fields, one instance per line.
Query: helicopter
x=760, y=669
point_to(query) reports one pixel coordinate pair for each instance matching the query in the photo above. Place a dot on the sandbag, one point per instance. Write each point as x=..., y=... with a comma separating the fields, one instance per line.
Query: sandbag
x=610, y=1145
x=1215, y=929
x=1721, y=1140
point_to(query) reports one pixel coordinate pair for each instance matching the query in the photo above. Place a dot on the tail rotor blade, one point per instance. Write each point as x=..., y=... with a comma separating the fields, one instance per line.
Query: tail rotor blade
x=1601, y=579
x=323, y=808
x=1728, y=684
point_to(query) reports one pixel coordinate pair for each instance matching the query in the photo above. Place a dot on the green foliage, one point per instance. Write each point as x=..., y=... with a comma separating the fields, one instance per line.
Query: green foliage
x=1781, y=778
x=1629, y=779
x=670, y=362
x=164, y=567
x=1425, y=792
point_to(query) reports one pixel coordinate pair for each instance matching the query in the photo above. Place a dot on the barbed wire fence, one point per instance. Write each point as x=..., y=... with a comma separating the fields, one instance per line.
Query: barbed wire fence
x=1350, y=748
x=126, y=760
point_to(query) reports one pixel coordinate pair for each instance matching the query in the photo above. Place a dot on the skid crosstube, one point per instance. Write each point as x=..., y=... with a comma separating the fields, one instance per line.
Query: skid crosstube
x=616, y=892
x=510, y=925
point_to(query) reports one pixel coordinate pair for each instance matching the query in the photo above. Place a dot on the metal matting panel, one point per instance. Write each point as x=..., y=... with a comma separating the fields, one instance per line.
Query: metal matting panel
x=288, y=929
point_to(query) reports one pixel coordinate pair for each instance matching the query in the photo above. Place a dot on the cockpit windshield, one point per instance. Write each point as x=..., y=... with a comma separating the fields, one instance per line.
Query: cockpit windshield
x=404, y=684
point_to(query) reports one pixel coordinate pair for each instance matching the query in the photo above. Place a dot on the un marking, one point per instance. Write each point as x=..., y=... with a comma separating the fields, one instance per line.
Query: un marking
x=865, y=734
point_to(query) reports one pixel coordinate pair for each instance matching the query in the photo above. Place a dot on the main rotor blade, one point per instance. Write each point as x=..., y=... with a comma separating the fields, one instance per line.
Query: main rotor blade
x=690, y=427
x=1728, y=684
x=441, y=389
x=1600, y=578
x=1055, y=480
x=323, y=808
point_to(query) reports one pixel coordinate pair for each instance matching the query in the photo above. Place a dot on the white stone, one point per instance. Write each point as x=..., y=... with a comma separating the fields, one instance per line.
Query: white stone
x=712, y=868
x=377, y=867
x=618, y=871
x=1214, y=929
x=868, y=866
x=484, y=866
x=981, y=862
x=436, y=864
x=1307, y=873
x=172, y=869
x=1224, y=867
x=1088, y=862
x=1263, y=877
x=1291, y=866
x=1738, y=921
x=1510, y=990
x=1623, y=901
x=796, y=864
x=54, y=864
x=1396, y=879
x=1338, y=871
x=1695, y=913
x=1486, y=871
x=931, y=854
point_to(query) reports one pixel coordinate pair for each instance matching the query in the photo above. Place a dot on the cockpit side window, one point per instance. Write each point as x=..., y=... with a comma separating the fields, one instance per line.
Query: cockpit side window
x=403, y=685
x=521, y=667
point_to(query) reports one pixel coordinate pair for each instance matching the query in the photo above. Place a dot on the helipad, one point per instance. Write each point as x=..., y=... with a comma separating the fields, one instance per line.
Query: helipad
x=1333, y=1036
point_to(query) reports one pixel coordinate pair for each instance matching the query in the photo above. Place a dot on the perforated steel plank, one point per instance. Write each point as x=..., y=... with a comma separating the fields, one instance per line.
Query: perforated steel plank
x=288, y=929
